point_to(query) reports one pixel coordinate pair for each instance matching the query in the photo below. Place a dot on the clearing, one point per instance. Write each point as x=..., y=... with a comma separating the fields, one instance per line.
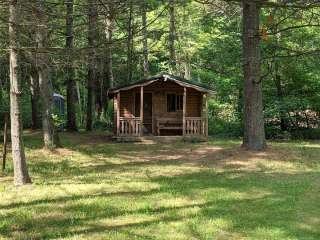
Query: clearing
x=95, y=189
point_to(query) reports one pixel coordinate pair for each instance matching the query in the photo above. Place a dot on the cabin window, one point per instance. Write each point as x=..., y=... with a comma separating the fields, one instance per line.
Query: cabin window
x=179, y=102
x=174, y=103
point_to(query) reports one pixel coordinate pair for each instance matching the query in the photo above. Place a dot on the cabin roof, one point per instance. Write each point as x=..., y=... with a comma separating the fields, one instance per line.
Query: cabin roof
x=163, y=77
x=57, y=95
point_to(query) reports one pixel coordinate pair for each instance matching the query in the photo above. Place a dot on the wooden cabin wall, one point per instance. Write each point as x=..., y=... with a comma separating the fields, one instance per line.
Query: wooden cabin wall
x=126, y=104
x=194, y=103
x=160, y=91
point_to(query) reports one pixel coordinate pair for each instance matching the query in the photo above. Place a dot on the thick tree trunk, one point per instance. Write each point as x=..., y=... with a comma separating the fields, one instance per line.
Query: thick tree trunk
x=35, y=99
x=172, y=50
x=21, y=175
x=50, y=135
x=92, y=25
x=130, y=43
x=71, y=85
x=145, y=41
x=254, y=132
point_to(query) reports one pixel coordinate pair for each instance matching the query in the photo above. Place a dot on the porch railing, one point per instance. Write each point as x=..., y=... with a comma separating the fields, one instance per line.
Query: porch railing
x=130, y=126
x=196, y=126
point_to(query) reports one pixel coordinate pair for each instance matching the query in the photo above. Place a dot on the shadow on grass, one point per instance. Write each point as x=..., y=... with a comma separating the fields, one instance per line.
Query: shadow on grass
x=248, y=201
x=253, y=204
x=132, y=158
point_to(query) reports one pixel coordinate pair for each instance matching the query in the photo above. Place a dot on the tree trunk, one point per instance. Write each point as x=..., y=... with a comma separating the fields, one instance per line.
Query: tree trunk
x=108, y=71
x=35, y=98
x=5, y=140
x=280, y=95
x=79, y=102
x=90, y=79
x=71, y=86
x=50, y=135
x=21, y=175
x=92, y=25
x=254, y=132
x=109, y=33
x=172, y=50
x=240, y=102
x=130, y=43
x=99, y=88
x=145, y=41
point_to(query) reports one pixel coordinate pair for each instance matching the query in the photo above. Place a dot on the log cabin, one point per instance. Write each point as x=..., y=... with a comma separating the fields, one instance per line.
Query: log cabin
x=163, y=105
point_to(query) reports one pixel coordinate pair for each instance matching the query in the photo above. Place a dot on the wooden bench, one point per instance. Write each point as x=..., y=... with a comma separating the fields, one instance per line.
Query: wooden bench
x=168, y=124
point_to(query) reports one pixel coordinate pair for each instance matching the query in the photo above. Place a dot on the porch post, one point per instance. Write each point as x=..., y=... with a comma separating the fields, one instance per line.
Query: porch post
x=202, y=115
x=184, y=111
x=206, y=114
x=141, y=111
x=118, y=113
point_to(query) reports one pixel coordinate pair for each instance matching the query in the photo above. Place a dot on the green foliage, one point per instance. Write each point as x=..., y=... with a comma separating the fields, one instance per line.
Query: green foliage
x=208, y=48
x=58, y=120
x=222, y=120
x=106, y=120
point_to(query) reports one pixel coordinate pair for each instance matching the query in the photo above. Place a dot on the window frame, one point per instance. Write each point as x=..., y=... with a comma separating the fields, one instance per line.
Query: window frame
x=178, y=102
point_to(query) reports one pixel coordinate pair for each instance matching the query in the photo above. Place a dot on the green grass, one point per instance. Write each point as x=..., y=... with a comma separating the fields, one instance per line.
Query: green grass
x=94, y=189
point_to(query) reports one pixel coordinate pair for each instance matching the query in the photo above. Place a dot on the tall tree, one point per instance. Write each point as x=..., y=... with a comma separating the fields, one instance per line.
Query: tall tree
x=145, y=40
x=108, y=80
x=280, y=94
x=109, y=19
x=21, y=175
x=71, y=85
x=92, y=29
x=172, y=30
x=35, y=99
x=278, y=83
x=254, y=132
x=50, y=135
x=130, y=43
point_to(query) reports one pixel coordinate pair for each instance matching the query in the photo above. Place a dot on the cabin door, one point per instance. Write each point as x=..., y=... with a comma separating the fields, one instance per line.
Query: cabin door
x=147, y=111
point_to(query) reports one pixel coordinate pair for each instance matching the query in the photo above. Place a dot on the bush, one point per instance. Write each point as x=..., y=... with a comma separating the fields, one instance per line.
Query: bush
x=306, y=134
x=224, y=120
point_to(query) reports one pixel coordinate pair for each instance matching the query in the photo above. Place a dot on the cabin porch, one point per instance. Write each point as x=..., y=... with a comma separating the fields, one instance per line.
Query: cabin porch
x=160, y=109
x=190, y=127
x=161, y=106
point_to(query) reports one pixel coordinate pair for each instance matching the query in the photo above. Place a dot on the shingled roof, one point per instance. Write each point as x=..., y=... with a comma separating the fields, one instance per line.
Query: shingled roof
x=164, y=77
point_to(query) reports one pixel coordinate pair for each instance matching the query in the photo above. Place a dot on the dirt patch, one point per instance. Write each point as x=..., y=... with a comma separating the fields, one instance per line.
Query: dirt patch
x=199, y=155
x=236, y=158
x=216, y=157
x=206, y=156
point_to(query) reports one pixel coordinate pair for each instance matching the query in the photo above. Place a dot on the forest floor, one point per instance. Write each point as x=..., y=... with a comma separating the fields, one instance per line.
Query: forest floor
x=95, y=189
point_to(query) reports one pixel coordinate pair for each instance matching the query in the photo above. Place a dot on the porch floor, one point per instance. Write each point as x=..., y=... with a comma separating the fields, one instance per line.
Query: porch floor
x=160, y=139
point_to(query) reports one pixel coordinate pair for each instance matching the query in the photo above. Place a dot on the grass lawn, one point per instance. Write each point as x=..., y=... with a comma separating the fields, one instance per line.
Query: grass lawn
x=94, y=189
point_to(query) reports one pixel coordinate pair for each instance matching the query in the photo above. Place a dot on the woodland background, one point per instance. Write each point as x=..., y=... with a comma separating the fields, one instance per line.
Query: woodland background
x=207, y=48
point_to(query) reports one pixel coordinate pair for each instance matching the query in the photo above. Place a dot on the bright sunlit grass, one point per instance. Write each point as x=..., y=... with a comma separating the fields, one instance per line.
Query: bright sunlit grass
x=95, y=189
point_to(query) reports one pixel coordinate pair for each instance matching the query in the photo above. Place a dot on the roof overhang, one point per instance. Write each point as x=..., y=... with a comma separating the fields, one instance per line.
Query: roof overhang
x=164, y=78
